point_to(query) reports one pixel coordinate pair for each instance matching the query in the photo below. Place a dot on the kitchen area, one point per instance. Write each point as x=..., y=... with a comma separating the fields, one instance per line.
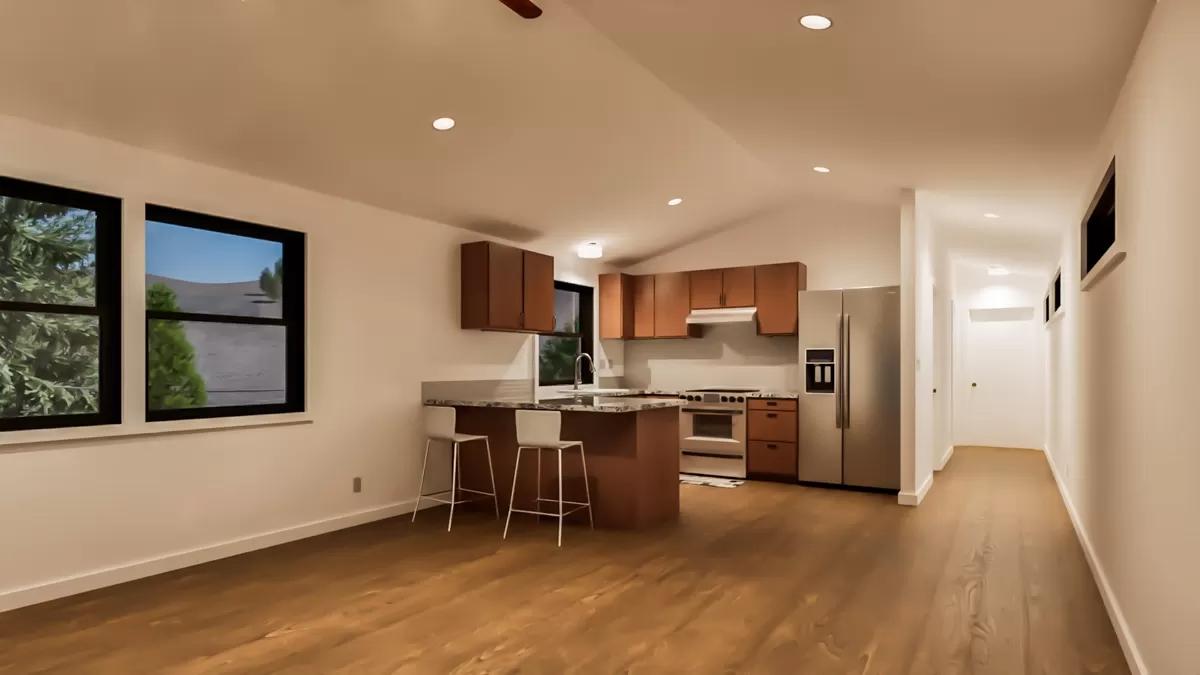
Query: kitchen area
x=729, y=375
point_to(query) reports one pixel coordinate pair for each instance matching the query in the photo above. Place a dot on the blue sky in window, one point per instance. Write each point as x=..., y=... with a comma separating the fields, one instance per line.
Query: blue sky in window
x=206, y=257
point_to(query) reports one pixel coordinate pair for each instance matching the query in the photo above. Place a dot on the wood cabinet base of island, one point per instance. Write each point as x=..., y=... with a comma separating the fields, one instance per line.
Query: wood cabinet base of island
x=632, y=464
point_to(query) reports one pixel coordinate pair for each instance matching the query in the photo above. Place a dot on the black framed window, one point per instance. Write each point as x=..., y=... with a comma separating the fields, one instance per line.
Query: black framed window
x=1058, y=291
x=60, y=307
x=1099, y=231
x=224, y=317
x=572, y=334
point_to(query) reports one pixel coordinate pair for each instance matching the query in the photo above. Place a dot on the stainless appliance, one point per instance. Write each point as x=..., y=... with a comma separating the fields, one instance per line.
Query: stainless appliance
x=712, y=431
x=849, y=411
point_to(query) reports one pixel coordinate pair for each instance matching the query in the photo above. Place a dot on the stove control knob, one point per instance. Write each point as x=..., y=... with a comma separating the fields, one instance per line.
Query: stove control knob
x=724, y=399
x=741, y=399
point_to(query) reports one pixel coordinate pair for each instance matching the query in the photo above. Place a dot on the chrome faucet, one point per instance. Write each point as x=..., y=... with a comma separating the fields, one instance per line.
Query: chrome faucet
x=591, y=367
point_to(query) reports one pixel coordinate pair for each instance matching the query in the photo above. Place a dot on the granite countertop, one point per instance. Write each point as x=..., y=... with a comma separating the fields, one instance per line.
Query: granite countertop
x=793, y=395
x=601, y=404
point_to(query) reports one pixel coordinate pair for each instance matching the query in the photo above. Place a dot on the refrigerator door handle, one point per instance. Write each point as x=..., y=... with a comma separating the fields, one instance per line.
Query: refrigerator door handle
x=837, y=384
x=846, y=374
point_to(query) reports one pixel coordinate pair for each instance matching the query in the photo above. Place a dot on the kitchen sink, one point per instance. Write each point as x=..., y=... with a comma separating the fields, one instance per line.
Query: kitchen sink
x=597, y=392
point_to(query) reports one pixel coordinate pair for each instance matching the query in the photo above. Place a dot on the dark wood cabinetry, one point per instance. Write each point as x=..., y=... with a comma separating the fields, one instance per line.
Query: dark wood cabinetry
x=506, y=288
x=771, y=439
x=616, y=306
x=643, y=306
x=714, y=289
x=775, y=289
x=672, y=305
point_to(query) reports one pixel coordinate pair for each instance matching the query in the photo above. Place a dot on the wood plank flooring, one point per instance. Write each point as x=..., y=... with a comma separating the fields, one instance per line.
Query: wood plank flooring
x=985, y=577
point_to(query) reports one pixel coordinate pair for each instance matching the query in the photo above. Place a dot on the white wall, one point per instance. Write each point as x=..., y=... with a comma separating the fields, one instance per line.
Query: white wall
x=844, y=245
x=1021, y=415
x=1124, y=360
x=917, y=247
x=383, y=316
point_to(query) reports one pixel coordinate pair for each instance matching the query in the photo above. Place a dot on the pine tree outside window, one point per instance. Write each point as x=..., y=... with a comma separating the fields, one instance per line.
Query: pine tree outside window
x=224, y=317
x=59, y=307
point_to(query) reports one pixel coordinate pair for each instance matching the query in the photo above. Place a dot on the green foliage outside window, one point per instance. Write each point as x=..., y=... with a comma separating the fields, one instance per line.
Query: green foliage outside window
x=49, y=363
x=173, y=378
x=271, y=281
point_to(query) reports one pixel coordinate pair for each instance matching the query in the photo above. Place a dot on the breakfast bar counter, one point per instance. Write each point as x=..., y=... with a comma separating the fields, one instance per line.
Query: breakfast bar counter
x=632, y=447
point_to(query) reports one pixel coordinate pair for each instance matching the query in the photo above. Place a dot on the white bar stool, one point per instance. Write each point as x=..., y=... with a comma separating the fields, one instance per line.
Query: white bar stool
x=541, y=430
x=441, y=425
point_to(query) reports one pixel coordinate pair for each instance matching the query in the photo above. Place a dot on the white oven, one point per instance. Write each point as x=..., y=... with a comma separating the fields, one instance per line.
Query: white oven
x=712, y=433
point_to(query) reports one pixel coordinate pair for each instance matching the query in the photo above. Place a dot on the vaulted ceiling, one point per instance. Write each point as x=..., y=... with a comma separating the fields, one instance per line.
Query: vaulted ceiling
x=583, y=123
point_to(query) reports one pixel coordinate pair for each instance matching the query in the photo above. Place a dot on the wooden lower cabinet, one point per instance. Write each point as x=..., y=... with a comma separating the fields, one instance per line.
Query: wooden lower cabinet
x=771, y=439
x=772, y=459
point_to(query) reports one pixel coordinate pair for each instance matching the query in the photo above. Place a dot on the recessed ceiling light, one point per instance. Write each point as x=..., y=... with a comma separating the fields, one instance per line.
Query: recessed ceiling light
x=997, y=271
x=443, y=123
x=821, y=169
x=991, y=216
x=590, y=250
x=674, y=201
x=815, y=22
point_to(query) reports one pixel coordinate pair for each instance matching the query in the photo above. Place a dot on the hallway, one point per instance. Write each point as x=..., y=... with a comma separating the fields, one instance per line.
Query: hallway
x=986, y=577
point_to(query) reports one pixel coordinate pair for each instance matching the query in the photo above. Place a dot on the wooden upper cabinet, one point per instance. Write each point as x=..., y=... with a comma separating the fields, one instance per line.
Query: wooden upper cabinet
x=738, y=283
x=538, y=292
x=707, y=289
x=643, y=306
x=506, y=288
x=672, y=304
x=776, y=289
x=616, y=307
x=730, y=287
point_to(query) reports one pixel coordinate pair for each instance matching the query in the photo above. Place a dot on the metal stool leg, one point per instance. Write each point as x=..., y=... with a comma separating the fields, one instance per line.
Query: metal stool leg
x=587, y=490
x=560, y=499
x=421, y=484
x=491, y=472
x=453, y=484
x=512, y=493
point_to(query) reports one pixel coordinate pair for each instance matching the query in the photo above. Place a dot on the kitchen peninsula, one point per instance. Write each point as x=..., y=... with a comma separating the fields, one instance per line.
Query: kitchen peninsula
x=632, y=446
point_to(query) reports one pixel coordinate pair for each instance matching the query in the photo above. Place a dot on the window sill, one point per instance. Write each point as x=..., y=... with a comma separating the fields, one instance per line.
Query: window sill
x=15, y=441
x=1107, y=263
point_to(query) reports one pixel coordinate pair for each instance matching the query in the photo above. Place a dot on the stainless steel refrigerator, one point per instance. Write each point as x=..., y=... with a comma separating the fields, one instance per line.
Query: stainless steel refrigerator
x=849, y=408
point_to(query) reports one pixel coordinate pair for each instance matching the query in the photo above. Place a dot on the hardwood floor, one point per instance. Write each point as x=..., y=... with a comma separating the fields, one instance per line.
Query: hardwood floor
x=985, y=577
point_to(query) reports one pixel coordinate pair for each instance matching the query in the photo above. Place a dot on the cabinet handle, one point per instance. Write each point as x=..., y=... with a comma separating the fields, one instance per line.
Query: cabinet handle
x=770, y=446
x=772, y=403
x=771, y=416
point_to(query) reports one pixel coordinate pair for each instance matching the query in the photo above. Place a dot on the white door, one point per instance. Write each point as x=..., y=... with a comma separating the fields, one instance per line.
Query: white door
x=1000, y=389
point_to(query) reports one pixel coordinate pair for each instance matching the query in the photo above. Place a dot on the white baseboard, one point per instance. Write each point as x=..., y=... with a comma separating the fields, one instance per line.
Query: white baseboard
x=138, y=569
x=945, y=459
x=915, y=498
x=1124, y=635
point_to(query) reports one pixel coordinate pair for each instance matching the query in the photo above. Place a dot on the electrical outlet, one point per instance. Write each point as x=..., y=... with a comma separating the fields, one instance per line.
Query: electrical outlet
x=357, y=484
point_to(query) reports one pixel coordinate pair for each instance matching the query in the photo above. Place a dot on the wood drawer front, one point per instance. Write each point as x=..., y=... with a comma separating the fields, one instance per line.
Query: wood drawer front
x=775, y=459
x=772, y=426
x=773, y=404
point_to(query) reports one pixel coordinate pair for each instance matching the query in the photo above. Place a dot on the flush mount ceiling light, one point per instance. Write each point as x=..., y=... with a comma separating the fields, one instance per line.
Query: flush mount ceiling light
x=991, y=216
x=590, y=250
x=821, y=169
x=997, y=271
x=674, y=201
x=815, y=22
x=443, y=123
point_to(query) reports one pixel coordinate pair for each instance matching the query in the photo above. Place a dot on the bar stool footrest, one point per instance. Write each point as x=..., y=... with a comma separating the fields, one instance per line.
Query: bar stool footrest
x=549, y=514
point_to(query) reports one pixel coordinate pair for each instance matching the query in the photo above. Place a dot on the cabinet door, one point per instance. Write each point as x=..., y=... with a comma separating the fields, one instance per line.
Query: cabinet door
x=643, y=306
x=538, y=292
x=771, y=426
x=738, y=284
x=616, y=306
x=776, y=295
x=671, y=304
x=705, y=289
x=505, y=288
x=771, y=458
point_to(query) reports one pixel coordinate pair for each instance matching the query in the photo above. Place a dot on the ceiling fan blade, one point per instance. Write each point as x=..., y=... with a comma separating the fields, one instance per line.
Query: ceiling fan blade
x=525, y=8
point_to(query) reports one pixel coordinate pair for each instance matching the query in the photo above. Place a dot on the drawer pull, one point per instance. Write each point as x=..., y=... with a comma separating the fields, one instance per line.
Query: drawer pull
x=772, y=403
x=771, y=416
x=771, y=446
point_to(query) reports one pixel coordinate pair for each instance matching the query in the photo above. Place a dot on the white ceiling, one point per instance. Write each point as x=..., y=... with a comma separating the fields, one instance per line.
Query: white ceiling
x=581, y=124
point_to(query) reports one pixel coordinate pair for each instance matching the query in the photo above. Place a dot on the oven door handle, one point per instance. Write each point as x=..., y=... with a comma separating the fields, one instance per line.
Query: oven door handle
x=706, y=411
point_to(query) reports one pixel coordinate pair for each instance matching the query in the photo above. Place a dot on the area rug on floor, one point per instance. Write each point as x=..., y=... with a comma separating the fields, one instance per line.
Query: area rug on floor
x=709, y=481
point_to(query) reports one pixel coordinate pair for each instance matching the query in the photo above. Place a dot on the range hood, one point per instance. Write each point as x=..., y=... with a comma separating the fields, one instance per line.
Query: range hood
x=723, y=315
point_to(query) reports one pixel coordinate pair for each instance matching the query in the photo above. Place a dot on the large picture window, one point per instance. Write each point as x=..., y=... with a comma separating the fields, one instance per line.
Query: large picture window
x=60, y=311
x=572, y=335
x=224, y=317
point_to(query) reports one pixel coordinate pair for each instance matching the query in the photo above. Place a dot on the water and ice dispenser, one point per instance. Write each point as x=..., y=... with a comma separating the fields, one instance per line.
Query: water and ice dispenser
x=820, y=368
